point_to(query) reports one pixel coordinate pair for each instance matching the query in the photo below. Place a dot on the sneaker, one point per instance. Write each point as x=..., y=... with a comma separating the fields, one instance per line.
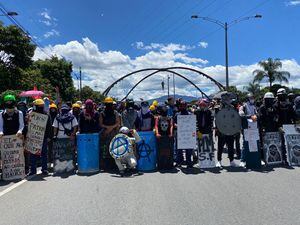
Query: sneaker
x=219, y=164
x=190, y=166
x=31, y=174
x=233, y=164
x=242, y=164
x=262, y=163
x=122, y=173
x=45, y=172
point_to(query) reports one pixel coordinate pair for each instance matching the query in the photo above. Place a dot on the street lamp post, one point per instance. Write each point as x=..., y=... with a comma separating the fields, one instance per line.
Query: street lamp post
x=225, y=26
x=10, y=14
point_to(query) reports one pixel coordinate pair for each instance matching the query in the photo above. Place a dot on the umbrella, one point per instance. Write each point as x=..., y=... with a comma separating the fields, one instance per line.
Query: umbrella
x=32, y=93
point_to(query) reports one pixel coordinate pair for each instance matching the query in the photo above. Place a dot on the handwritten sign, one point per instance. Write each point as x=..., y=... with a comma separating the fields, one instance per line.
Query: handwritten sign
x=272, y=148
x=36, y=132
x=63, y=155
x=186, y=132
x=292, y=143
x=206, y=152
x=12, y=155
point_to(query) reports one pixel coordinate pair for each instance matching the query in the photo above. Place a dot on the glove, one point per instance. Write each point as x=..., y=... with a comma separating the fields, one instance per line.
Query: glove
x=19, y=134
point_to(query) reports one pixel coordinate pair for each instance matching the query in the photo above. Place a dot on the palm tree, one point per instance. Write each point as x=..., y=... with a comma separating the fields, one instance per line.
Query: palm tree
x=253, y=88
x=270, y=72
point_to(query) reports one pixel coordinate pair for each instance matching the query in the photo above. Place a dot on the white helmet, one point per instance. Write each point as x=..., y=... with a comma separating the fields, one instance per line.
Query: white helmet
x=269, y=95
x=281, y=91
x=124, y=130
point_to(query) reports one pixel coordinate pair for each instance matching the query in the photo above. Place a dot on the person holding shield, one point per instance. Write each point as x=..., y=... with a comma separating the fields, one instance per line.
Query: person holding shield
x=122, y=149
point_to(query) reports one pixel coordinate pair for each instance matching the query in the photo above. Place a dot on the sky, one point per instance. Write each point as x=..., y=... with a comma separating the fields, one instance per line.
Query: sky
x=110, y=38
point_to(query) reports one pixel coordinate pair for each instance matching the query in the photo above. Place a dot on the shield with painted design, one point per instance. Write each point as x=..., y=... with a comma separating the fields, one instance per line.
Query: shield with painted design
x=228, y=121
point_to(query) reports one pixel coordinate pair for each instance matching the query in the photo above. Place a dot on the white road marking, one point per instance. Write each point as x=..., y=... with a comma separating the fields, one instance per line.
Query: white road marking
x=12, y=187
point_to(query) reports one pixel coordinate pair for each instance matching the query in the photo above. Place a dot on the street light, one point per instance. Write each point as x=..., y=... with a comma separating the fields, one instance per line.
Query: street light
x=10, y=14
x=225, y=26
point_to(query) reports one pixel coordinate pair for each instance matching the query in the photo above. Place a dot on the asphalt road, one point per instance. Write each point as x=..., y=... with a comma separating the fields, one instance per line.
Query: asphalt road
x=231, y=196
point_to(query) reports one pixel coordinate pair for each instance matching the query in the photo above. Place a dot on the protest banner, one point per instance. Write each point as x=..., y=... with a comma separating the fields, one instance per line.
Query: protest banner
x=292, y=144
x=63, y=155
x=36, y=132
x=186, y=132
x=12, y=155
x=272, y=148
x=206, y=152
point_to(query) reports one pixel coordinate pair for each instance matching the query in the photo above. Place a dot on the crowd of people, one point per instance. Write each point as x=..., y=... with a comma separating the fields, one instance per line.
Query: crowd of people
x=110, y=118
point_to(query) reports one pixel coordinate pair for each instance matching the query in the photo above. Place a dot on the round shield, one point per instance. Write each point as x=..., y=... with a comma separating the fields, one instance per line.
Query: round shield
x=228, y=121
x=120, y=146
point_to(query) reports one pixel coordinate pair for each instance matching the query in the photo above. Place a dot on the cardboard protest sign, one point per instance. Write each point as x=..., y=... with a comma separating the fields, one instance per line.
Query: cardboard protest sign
x=206, y=152
x=36, y=132
x=63, y=155
x=272, y=147
x=292, y=143
x=12, y=155
x=186, y=132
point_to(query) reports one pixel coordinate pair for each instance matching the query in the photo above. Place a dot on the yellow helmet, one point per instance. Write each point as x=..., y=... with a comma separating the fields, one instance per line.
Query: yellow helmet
x=76, y=105
x=152, y=107
x=52, y=105
x=39, y=102
x=108, y=100
x=155, y=103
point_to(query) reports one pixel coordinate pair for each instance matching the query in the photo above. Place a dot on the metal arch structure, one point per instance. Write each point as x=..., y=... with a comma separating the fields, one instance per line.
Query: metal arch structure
x=170, y=71
x=220, y=86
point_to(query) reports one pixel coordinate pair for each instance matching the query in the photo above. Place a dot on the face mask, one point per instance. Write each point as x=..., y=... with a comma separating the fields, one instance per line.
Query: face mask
x=39, y=109
x=144, y=110
x=269, y=102
x=251, y=101
x=109, y=107
x=9, y=105
x=281, y=98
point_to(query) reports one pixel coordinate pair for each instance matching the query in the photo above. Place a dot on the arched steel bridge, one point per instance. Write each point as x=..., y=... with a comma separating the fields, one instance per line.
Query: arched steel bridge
x=169, y=70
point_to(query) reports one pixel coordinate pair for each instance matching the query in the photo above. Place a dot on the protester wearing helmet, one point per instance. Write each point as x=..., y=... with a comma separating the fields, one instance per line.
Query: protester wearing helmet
x=110, y=122
x=38, y=107
x=145, y=121
x=76, y=110
x=247, y=111
x=11, y=119
x=285, y=114
x=165, y=141
x=53, y=111
x=89, y=118
x=129, y=115
x=129, y=160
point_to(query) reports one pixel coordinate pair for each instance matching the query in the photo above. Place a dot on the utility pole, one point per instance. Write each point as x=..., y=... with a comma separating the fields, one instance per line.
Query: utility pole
x=168, y=86
x=174, y=85
x=80, y=83
x=226, y=55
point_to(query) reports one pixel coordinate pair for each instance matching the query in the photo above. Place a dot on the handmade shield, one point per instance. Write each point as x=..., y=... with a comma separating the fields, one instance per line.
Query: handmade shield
x=206, y=152
x=272, y=148
x=12, y=155
x=63, y=155
x=228, y=121
x=120, y=146
x=292, y=143
x=147, y=151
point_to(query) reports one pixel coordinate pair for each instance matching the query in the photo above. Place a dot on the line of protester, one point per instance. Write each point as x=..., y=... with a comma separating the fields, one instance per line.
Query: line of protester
x=111, y=119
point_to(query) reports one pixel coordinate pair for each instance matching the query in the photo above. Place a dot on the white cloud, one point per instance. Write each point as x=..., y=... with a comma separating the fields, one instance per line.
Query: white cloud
x=51, y=33
x=101, y=68
x=47, y=19
x=203, y=44
x=293, y=3
x=162, y=47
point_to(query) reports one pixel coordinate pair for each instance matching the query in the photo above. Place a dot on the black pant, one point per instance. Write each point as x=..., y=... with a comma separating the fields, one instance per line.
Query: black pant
x=228, y=140
x=237, y=138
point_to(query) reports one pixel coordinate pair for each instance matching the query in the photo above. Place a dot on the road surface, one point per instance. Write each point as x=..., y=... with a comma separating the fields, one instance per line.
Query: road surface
x=230, y=196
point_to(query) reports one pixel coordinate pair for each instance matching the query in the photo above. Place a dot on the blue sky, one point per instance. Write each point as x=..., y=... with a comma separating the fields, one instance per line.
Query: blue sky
x=126, y=29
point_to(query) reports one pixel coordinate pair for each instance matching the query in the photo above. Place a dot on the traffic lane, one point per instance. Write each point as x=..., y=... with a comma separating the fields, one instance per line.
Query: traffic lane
x=156, y=198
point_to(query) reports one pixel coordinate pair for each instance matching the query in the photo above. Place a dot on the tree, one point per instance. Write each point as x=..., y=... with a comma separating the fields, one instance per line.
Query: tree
x=271, y=72
x=89, y=93
x=16, y=52
x=58, y=72
x=253, y=88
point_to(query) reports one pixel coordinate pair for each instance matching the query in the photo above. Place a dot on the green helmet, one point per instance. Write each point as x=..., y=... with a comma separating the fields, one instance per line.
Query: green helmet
x=8, y=98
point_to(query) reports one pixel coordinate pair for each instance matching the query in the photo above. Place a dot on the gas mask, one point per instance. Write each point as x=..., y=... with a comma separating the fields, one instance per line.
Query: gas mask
x=39, y=109
x=269, y=102
x=282, y=97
